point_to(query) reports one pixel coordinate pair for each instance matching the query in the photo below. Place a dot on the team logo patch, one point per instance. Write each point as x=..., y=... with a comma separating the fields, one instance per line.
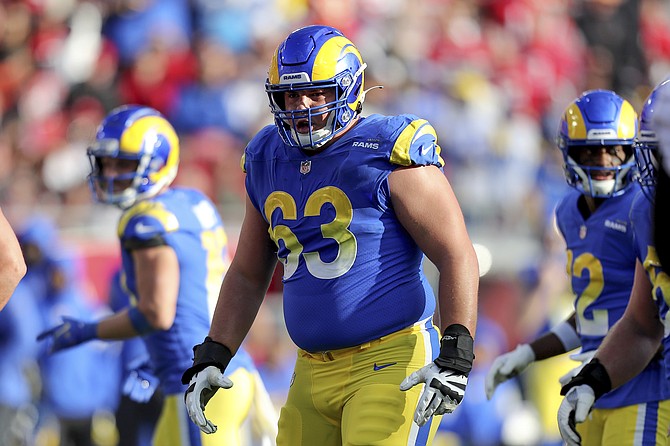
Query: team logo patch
x=305, y=167
x=582, y=232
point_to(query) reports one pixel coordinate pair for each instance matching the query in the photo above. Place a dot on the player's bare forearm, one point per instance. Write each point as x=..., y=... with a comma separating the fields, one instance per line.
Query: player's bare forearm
x=246, y=282
x=636, y=337
x=457, y=294
x=9, y=279
x=13, y=267
x=236, y=309
x=116, y=327
x=624, y=359
x=549, y=344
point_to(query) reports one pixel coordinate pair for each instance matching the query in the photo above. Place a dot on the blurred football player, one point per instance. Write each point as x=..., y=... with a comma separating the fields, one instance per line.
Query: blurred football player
x=605, y=224
x=349, y=205
x=12, y=265
x=174, y=256
x=140, y=404
x=636, y=338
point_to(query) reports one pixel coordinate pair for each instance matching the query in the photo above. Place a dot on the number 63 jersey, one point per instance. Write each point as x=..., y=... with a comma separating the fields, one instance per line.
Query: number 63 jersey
x=351, y=272
x=602, y=252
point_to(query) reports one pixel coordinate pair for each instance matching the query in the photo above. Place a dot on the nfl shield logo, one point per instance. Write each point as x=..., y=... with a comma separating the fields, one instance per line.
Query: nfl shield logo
x=305, y=167
x=582, y=232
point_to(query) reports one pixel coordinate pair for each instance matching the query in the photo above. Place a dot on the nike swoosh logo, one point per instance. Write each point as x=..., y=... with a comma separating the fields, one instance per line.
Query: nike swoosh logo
x=383, y=366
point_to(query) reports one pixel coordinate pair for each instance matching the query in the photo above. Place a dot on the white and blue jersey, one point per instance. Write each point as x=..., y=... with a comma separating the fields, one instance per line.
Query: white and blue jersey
x=187, y=221
x=602, y=252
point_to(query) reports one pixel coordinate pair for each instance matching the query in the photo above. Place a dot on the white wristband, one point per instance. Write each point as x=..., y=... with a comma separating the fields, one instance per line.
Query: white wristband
x=567, y=334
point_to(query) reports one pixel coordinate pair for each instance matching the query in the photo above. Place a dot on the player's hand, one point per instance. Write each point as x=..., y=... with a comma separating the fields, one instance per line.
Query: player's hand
x=580, y=357
x=507, y=366
x=204, y=378
x=201, y=389
x=444, y=390
x=574, y=409
x=445, y=378
x=581, y=393
x=140, y=384
x=68, y=334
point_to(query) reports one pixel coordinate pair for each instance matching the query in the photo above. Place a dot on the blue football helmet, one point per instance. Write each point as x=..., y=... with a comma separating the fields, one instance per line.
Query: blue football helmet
x=310, y=58
x=646, y=146
x=134, y=132
x=598, y=118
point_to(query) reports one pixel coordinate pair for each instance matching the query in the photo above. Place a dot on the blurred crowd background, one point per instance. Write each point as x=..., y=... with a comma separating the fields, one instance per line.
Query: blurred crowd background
x=492, y=76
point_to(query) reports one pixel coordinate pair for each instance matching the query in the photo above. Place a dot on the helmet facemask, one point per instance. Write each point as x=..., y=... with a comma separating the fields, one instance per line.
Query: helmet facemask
x=583, y=176
x=648, y=161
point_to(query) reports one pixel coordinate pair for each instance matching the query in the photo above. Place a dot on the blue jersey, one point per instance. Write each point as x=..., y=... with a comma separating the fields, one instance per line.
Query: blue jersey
x=351, y=271
x=187, y=221
x=642, y=210
x=602, y=252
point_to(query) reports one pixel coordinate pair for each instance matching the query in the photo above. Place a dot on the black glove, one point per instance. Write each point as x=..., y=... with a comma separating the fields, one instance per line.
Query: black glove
x=208, y=353
x=445, y=378
x=204, y=378
x=581, y=393
x=594, y=375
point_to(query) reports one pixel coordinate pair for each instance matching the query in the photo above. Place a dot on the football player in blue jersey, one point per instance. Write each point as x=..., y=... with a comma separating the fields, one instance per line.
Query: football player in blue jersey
x=636, y=338
x=606, y=226
x=654, y=162
x=174, y=256
x=349, y=205
x=662, y=189
x=12, y=264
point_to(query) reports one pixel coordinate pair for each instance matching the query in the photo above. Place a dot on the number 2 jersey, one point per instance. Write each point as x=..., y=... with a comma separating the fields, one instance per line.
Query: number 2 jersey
x=351, y=272
x=602, y=252
x=187, y=221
